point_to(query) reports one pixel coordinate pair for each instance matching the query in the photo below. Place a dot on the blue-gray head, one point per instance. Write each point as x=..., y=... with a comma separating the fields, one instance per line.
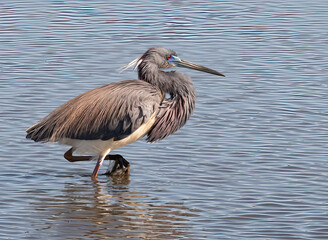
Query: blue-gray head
x=162, y=58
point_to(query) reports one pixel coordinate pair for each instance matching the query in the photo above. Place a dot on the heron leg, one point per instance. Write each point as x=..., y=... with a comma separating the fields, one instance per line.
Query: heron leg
x=69, y=157
x=121, y=165
x=96, y=170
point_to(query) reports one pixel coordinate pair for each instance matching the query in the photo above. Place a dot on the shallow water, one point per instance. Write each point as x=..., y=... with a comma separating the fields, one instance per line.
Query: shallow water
x=251, y=163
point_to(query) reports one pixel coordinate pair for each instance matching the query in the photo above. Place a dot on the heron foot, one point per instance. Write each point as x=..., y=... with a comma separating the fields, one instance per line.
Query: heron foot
x=121, y=166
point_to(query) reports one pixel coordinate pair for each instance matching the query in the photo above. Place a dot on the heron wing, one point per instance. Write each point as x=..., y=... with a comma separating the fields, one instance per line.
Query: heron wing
x=112, y=111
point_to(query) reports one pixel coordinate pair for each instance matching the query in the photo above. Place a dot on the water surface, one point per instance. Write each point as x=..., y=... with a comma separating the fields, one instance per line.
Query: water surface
x=250, y=164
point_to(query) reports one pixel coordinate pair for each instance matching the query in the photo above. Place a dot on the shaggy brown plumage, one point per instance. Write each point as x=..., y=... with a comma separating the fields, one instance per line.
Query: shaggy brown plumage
x=111, y=111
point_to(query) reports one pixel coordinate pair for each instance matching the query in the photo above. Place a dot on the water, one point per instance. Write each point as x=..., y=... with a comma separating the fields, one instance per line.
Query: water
x=250, y=164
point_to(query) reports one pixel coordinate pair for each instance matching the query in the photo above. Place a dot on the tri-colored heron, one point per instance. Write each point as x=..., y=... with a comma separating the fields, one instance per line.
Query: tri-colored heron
x=120, y=113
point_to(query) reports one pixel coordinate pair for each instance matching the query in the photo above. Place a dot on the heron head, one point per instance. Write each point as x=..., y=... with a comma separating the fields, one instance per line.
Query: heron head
x=159, y=56
x=165, y=58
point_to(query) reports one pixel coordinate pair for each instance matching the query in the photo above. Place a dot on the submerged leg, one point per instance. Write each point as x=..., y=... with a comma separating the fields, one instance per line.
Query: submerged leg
x=121, y=165
x=96, y=170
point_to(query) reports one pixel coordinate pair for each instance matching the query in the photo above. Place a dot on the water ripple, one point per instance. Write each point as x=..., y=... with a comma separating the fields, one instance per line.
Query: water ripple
x=250, y=164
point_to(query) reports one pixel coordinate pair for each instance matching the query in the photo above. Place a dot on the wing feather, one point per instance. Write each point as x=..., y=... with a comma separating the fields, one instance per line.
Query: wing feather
x=112, y=111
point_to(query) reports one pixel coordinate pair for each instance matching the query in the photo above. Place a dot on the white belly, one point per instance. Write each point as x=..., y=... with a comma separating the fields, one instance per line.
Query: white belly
x=95, y=147
x=101, y=147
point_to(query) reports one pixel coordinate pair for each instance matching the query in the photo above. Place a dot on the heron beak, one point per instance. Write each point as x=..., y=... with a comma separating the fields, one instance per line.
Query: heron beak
x=183, y=63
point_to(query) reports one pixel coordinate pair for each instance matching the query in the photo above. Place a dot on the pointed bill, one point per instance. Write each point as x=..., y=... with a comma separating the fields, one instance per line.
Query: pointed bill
x=183, y=63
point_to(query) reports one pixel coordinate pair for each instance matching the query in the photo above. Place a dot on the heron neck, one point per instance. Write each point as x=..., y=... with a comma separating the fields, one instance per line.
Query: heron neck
x=174, y=111
x=174, y=83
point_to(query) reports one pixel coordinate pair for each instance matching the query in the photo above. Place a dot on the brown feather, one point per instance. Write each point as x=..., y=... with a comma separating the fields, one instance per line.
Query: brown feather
x=173, y=114
x=112, y=111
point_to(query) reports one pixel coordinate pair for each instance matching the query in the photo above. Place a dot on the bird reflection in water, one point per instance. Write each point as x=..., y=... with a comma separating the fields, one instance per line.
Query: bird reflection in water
x=111, y=210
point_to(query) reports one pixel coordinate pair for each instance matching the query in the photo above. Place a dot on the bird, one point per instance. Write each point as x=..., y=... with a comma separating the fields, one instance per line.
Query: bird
x=103, y=119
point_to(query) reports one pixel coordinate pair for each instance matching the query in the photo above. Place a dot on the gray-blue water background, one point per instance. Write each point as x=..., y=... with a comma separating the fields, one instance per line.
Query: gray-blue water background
x=252, y=161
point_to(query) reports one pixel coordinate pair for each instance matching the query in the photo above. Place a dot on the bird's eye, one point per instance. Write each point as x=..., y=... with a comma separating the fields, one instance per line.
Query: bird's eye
x=168, y=57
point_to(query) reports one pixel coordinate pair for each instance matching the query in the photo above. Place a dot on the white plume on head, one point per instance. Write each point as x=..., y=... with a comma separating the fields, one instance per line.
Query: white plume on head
x=136, y=62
